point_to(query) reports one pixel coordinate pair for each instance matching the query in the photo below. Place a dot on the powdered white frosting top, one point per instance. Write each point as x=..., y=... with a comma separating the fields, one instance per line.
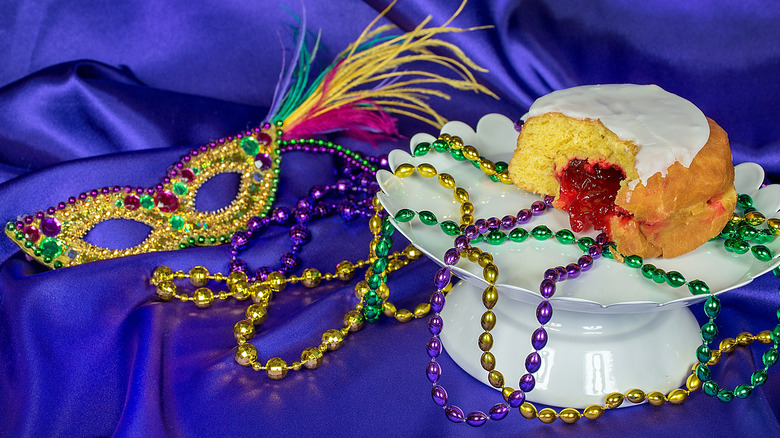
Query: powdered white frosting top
x=666, y=127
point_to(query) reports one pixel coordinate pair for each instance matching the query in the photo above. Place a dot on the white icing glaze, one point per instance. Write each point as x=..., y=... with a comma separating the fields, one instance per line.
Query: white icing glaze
x=666, y=127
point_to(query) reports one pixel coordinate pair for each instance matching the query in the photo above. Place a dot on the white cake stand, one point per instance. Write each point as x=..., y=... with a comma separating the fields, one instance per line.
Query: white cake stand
x=612, y=330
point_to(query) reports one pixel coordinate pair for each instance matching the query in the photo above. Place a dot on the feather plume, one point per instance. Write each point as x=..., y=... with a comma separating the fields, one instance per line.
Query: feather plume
x=366, y=83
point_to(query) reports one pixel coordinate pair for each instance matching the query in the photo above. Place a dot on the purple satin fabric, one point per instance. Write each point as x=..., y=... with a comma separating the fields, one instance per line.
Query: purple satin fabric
x=94, y=96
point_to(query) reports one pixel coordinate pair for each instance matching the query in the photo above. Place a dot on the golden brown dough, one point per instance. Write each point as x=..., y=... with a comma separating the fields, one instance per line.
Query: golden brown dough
x=671, y=215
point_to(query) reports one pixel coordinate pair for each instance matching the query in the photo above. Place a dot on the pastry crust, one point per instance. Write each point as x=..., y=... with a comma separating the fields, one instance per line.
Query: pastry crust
x=670, y=215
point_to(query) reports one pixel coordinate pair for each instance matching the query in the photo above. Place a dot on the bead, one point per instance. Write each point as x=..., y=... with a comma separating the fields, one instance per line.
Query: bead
x=447, y=181
x=488, y=361
x=243, y=330
x=433, y=371
x=774, y=225
x=698, y=287
x=333, y=339
x=203, y=297
x=715, y=359
x=710, y=388
x=709, y=331
x=311, y=358
x=527, y=410
x=703, y=372
x=633, y=261
x=573, y=270
x=276, y=281
x=311, y=278
x=449, y=228
x=461, y=195
x=440, y=145
x=261, y=293
x=454, y=414
x=541, y=232
x=490, y=273
x=496, y=237
x=256, y=313
x=648, y=271
x=743, y=391
x=762, y=253
x=677, y=396
x=527, y=382
x=421, y=310
x=496, y=379
x=485, y=341
x=437, y=301
x=476, y=418
x=427, y=217
x=499, y=411
x=569, y=415
x=636, y=396
x=435, y=324
x=544, y=312
x=389, y=309
x=724, y=395
x=728, y=345
x=515, y=398
x=585, y=262
x=439, y=395
x=488, y=320
x=199, y=276
x=593, y=412
x=470, y=152
x=533, y=362
x=744, y=201
x=353, y=321
x=692, y=383
x=441, y=278
x=241, y=290
x=613, y=400
x=712, y=306
x=426, y=170
x=490, y=297
x=246, y=354
x=276, y=368
x=764, y=337
x=758, y=378
x=703, y=354
x=518, y=235
x=674, y=279
x=754, y=218
x=656, y=398
x=547, y=415
x=539, y=338
x=165, y=290
x=404, y=170
x=744, y=339
x=434, y=347
x=524, y=216
x=345, y=271
x=769, y=357
x=421, y=149
x=775, y=334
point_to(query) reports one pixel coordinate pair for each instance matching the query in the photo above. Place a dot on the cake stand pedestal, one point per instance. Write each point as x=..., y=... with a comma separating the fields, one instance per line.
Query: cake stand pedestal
x=588, y=355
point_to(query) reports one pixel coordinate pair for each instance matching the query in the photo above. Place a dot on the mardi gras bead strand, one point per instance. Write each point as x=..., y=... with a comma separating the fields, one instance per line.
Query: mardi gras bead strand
x=673, y=278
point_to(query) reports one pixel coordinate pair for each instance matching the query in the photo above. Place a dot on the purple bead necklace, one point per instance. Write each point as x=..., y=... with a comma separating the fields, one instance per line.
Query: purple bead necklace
x=351, y=197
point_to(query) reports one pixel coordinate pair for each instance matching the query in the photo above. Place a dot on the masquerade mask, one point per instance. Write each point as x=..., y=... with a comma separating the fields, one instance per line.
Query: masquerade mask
x=355, y=94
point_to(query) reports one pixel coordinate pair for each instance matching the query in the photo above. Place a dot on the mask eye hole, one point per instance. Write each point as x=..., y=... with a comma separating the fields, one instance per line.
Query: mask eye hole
x=117, y=234
x=217, y=192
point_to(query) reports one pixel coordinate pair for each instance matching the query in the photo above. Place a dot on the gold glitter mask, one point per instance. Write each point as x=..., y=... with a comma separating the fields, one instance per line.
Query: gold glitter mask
x=356, y=94
x=56, y=237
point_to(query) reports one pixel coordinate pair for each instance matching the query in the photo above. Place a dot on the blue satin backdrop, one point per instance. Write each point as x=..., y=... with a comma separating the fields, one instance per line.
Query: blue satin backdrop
x=101, y=94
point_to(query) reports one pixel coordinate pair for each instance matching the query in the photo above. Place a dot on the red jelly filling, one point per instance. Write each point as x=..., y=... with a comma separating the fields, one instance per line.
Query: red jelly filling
x=588, y=193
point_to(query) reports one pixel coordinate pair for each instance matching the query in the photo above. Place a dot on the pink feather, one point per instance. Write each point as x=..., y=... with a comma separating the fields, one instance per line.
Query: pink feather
x=363, y=120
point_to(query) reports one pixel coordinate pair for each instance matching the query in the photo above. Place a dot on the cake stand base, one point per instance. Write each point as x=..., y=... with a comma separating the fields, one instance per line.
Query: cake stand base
x=588, y=355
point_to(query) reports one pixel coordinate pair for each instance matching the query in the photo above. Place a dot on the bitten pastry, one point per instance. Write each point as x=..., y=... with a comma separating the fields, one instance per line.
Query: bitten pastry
x=642, y=164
